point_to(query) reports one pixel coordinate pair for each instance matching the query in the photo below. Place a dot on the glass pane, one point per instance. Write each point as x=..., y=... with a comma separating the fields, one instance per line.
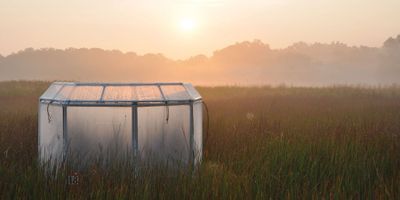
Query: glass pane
x=99, y=132
x=192, y=91
x=65, y=92
x=163, y=133
x=123, y=93
x=89, y=93
x=148, y=93
x=84, y=93
x=116, y=93
x=50, y=134
x=51, y=92
x=175, y=92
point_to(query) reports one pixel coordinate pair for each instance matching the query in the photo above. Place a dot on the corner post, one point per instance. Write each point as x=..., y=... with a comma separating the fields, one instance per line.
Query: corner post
x=65, y=131
x=135, y=142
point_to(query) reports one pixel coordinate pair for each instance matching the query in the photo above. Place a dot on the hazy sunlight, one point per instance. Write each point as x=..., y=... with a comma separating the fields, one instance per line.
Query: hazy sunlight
x=187, y=24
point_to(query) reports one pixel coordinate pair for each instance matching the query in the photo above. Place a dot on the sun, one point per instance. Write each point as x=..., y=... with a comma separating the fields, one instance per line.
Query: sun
x=187, y=24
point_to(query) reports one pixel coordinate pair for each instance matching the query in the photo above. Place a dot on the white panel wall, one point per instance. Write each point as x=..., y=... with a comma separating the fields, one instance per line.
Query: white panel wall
x=106, y=132
x=161, y=139
x=99, y=132
x=198, y=131
x=50, y=134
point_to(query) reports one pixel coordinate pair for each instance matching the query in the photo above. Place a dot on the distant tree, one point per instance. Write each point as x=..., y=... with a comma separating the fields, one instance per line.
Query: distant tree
x=392, y=43
x=195, y=60
x=300, y=63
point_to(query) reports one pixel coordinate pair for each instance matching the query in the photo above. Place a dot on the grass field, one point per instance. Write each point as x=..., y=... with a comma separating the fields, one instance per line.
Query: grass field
x=264, y=142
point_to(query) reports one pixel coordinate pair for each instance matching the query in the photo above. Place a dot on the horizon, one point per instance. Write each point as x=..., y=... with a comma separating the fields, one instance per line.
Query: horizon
x=181, y=29
x=245, y=63
x=212, y=53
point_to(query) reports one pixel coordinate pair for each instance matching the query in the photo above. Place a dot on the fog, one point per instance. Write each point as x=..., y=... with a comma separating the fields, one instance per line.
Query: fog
x=243, y=63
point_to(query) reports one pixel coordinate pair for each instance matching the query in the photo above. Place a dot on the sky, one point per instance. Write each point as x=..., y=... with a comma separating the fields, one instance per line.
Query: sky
x=183, y=28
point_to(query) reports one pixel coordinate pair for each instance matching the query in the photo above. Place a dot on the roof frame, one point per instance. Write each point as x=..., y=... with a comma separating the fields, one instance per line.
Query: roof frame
x=189, y=89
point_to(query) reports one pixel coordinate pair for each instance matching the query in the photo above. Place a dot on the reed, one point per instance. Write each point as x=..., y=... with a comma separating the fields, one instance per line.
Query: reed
x=263, y=142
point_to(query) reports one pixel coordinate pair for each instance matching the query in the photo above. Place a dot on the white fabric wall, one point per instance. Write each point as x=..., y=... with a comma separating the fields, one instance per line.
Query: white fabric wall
x=198, y=131
x=99, y=132
x=163, y=140
x=50, y=134
x=106, y=132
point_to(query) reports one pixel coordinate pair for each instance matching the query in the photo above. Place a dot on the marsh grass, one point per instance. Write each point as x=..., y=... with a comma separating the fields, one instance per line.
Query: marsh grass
x=263, y=142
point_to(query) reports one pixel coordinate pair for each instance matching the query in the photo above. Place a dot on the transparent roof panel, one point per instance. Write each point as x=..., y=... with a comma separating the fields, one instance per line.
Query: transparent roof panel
x=86, y=93
x=120, y=92
x=64, y=93
x=192, y=91
x=51, y=92
x=132, y=93
x=148, y=92
x=83, y=93
x=175, y=92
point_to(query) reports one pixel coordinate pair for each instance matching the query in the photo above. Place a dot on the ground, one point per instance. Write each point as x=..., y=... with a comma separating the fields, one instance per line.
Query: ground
x=262, y=142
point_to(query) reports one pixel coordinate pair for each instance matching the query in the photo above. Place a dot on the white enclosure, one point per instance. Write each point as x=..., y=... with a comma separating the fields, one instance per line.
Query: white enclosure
x=161, y=121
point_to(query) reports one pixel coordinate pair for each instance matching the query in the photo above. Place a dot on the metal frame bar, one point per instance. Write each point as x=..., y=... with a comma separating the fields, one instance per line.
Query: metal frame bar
x=115, y=84
x=65, y=131
x=117, y=101
x=102, y=93
x=162, y=94
x=164, y=99
x=135, y=138
x=68, y=102
x=116, y=104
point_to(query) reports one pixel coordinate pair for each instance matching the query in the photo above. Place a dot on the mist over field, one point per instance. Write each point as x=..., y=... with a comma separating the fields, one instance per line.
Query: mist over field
x=244, y=63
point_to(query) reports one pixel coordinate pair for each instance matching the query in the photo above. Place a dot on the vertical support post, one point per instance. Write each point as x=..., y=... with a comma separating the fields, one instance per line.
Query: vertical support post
x=65, y=131
x=135, y=142
x=191, y=140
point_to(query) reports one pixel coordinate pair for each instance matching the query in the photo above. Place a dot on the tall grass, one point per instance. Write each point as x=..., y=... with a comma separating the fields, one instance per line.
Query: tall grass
x=263, y=142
